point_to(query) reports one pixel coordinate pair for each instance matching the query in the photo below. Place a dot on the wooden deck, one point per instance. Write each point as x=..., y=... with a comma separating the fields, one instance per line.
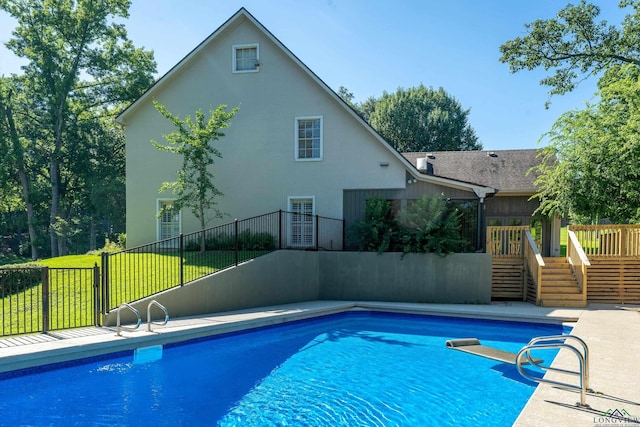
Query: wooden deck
x=607, y=272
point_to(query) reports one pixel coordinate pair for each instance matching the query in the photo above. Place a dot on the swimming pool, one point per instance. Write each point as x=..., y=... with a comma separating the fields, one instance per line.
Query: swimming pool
x=355, y=368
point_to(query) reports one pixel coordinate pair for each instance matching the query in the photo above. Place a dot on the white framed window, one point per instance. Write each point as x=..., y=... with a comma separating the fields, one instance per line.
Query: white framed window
x=245, y=58
x=301, y=225
x=308, y=138
x=169, y=220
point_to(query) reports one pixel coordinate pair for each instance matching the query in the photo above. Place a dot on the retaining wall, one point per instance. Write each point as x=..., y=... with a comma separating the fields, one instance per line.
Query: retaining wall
x=284, y=277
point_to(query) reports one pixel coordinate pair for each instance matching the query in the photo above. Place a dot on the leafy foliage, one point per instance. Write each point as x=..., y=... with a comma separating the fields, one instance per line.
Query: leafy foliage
x=80, y=68
x=591, y=168
x=247, y=241
x=378, y=230
x=429, y=225
x=14, y=280
x=418, y=119
x=192, y=140
x=575, y=45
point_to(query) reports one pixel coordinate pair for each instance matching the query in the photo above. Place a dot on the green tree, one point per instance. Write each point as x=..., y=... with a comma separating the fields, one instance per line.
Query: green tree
x=591, y=168
x=422, y=119
x=194, y=187
x=13, y=149
x=575, y=45
x=76, y=52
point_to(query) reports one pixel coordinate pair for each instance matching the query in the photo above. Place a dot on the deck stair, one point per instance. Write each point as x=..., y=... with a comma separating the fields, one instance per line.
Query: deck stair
x=559, y=285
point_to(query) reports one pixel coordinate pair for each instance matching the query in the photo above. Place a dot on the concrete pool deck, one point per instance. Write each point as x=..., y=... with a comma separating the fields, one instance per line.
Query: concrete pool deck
x=612, y=333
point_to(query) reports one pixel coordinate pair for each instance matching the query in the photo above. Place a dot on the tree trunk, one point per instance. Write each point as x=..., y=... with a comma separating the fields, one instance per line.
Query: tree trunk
x=32, y=230
x=55, y=198
x=92, y=234
x=203, y=246
x=18, y=155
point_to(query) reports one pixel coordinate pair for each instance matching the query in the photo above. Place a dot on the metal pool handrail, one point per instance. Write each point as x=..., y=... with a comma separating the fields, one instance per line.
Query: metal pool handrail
x=163, y=308
x=552, y=342
x=136, y=312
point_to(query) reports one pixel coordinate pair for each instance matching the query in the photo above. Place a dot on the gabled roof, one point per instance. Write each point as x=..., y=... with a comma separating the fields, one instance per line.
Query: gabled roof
x=478, y=189
x=506, y=170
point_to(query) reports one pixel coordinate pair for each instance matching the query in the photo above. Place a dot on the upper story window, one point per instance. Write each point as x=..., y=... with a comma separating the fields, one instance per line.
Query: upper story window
x=309, y=138
x=245, y=58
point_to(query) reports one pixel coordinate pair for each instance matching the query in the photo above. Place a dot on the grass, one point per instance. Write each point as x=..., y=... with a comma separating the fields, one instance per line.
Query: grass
x=133, y=276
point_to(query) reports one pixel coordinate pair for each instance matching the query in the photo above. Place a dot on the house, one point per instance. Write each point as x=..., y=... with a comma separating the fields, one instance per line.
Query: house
x=509, y=172
x=294, y=144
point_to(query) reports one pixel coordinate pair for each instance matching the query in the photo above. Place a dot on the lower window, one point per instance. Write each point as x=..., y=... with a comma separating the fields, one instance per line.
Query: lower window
x=301, y=227
x=168, y=221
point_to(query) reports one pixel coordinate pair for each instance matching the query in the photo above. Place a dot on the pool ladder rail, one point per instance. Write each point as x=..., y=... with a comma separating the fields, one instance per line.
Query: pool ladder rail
x=581, y=351
x=120, y=328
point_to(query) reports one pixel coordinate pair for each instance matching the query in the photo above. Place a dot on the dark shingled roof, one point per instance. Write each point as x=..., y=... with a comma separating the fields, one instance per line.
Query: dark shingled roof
x=505, y=170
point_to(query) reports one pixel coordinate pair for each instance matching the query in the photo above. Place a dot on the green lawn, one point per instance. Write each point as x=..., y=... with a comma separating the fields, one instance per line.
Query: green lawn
x=133, y=276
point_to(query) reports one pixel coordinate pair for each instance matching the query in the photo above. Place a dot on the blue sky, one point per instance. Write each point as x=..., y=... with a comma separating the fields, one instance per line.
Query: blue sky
x=371, y=46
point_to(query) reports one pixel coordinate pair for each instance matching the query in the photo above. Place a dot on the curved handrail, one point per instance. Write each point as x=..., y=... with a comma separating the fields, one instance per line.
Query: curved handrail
x=163, y=308
x=136, y=312
x=585, y=352
x=547, y=343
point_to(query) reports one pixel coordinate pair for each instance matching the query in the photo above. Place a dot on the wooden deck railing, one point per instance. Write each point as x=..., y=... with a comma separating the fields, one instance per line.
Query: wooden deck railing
x=533, y=263
x=579, y=261
x=505, y=241
x=608, y=240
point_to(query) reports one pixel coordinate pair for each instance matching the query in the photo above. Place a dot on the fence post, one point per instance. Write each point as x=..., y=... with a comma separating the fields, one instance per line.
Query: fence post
x=45, y=299
x=96, y=294
x=104, y=261
x=181, y=244
x=317, y=218
x=236, y=238
x=280, y=229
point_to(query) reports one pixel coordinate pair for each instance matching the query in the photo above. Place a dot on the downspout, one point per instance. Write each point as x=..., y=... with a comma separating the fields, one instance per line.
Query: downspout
x=482, y=194
x=480, y=225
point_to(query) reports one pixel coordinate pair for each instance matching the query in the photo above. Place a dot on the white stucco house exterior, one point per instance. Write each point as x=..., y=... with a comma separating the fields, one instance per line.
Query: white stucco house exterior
x=293, y=145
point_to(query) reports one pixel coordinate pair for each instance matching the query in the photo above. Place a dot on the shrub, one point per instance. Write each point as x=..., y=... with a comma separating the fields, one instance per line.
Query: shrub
x=109, y=246
x=262, y=241
x=122, y=240
x=247, y=241
x=430, y=225
x=377, y=232
x=14, y=280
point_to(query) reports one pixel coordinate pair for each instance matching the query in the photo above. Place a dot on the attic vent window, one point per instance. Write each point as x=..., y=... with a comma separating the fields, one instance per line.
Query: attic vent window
x=430, y=156
x=245, y=58
x=492, y=154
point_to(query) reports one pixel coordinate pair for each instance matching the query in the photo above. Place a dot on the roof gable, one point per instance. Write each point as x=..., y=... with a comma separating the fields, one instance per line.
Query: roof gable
x=242, y=14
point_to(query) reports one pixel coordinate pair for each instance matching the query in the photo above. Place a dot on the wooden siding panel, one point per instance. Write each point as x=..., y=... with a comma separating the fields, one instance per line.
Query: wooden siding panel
x=507, y=278
x=614, y=280
x=510, y=206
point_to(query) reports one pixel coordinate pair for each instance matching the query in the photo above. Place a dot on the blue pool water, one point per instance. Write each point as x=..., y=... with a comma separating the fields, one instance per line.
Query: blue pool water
x=352, y=369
